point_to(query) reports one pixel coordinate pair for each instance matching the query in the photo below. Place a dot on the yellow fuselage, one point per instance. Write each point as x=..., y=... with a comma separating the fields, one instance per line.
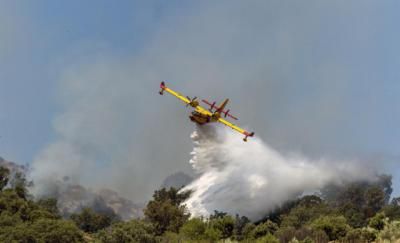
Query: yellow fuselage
x=199, y=118
x=202, y=118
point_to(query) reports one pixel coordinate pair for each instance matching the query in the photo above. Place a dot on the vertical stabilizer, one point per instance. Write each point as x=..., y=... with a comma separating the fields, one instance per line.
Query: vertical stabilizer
x=222, y=106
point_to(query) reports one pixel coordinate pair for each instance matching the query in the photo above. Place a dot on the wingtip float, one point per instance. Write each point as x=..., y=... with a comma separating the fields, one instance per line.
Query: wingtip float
x=201, y=115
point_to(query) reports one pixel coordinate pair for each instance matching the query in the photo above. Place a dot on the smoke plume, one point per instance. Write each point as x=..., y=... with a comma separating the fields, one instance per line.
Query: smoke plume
x=252, y=178
x=278, y=63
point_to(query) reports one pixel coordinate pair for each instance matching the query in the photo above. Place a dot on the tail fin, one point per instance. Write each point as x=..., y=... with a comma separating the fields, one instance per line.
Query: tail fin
x=222, y=106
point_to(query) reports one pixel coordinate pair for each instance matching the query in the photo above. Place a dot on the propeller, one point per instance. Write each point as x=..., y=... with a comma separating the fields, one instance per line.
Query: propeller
x=193, y=102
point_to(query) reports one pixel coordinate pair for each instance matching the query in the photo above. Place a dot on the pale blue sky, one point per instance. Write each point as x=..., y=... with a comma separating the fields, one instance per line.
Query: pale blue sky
x=311, y=76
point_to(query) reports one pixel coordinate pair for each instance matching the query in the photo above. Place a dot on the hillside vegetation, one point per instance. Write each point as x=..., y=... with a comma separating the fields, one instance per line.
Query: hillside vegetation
x=357, y=212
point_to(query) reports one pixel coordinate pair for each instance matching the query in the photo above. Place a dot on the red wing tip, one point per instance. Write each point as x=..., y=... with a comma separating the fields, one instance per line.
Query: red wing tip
x=162, y=85
x=249, y=134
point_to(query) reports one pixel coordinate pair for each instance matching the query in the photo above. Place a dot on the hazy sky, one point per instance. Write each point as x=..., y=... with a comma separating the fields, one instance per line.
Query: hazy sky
x=79, y=81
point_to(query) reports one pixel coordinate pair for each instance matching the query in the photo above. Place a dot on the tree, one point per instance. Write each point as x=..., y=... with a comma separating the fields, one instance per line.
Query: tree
x=378, y=221
x=385, y=184
x=275, y=215
x=8, y=219
x=391, y=232
x=361, y=235
x=307, y=209
x=20, y=232
x=19, y=184
x=165, y=211
x=374, y=201
x=352, y=192
x=395, y=201
x=263, y=229
x=238, y=229
x=194, y=229
x=392, y=211
x=23, y=220
x=224, y=224
x=11, y=202
x=218, y=214
x=50, y=205
x=213, y=234
x=43, y=230
x=248, y=230
x=4, y=176
x=335, y=227
x=90, y=221
x=51, y=230
x=303, y=234
x=267, y=239
x=358, y=201
x=131, y=231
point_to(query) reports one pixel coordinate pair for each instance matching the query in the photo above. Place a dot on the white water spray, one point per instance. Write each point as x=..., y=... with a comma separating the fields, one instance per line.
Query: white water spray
x=251, y=178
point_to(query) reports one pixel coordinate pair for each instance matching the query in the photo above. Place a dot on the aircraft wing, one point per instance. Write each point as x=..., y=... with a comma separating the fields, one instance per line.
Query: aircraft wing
x=238, y=129
x=174, y=93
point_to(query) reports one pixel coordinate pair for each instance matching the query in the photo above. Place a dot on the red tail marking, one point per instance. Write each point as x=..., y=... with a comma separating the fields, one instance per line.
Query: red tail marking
x=223, y=111
x=162, y=86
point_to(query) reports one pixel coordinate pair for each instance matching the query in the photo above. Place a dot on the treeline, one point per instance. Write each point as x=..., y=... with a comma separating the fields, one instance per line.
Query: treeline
x=356, y=212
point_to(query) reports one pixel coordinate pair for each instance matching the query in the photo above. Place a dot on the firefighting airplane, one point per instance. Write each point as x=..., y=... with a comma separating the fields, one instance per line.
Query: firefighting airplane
x=202, y=116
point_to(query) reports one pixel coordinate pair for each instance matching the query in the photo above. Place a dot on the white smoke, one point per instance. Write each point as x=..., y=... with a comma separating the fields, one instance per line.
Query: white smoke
x=252, y=178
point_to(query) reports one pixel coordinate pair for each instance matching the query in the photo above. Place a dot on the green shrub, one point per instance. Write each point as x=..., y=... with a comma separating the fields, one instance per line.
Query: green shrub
x=267, y=239
x=265, y=228
x=193, y=229
x=131, y=231
x=390, y=232
x=335, y=227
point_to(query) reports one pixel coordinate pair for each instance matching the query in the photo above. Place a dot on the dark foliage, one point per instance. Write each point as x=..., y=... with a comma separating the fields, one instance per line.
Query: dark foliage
x=90, y=221
x=341, y=214
x=165, y=211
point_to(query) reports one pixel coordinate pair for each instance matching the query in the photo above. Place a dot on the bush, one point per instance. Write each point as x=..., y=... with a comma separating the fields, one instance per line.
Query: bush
x=4, y=177
x=263, y=229
x=361, y=235
x=50, y=230
x=165, y=211
x=390, y=232
x=131, y=231
x=378, y=221
x=213, y=234
x=170, y=237
x=248, y=230
x=335, y=227
x=224, y=224
x=307, y=209
x=90, y=221
x=43, y=230
x=267, y=239
x=194, y=229
x=392, y=211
